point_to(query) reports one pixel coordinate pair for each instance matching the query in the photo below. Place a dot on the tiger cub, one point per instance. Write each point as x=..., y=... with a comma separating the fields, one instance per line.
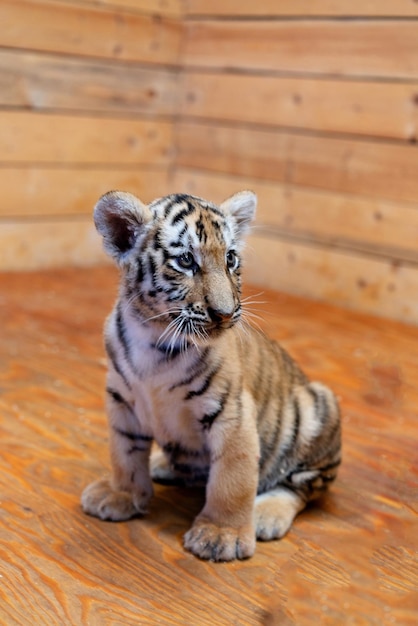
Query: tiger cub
x=227, y=406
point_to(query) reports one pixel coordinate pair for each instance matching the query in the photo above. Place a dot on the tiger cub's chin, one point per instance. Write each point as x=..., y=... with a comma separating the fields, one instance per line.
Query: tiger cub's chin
x=227, y=406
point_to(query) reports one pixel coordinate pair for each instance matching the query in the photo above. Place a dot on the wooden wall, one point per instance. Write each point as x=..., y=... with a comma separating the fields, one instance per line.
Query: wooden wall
x=311, y=103
x=87, y=99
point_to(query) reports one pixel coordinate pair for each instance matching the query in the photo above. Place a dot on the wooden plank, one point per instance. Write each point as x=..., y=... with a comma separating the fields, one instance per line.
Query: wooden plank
x=342, y=48
x=40, y=81
x=35, y=191
x=88, y=30
x=362, y=224
x=368, y=168
x=304, y=8
x=385, y=109
x=354, y=281
x=47, y=244
x=172, y=8
x=40, y=138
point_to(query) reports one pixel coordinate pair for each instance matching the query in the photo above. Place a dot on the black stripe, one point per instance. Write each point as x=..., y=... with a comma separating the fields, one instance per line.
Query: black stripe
x=199, y=368
x=169, y=351
x=157, y=245
x=121, y=332
x=206, y=384
x=330, y=466
x=176, y=450
x=321, y=405
x=175, y=285
x=269, y=448
x=132, y=436
x=287, y=361
x=173, y=200
x=208, y=418
x=113, y=359
x=315, y=395
x=171, y=277
x=296, y=425
x=178, y=243
x=267, y=390
x=216, y=211
x=215, y=225
x=117, y=397
x=175, y=244
x=333, y=436
x=178, y=295
x=153, y=270
x=201, y=231
x=139, y=272
x=190, y=208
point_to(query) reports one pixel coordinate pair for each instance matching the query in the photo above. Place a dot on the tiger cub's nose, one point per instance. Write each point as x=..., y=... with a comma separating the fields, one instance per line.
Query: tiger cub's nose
x=217, y=315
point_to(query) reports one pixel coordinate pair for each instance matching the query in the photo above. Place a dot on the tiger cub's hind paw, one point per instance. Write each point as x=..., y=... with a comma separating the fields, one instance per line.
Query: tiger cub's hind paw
x=101, y=500
x=275, y=512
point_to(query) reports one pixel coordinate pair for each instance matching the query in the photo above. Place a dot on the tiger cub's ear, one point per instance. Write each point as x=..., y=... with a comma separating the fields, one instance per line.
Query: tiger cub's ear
x=241, y=206
x=119, y=217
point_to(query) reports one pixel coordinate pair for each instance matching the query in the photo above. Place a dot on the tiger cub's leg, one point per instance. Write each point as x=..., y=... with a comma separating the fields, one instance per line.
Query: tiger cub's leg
x=224, y=529
x=305, y=470
x=127, y=492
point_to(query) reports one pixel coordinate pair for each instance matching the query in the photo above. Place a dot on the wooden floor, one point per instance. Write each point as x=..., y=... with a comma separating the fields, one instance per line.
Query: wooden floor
x=351, y=559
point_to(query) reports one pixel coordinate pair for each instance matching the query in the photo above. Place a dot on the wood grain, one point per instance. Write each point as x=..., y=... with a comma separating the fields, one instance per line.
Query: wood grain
x=351, y=555
x=172, y=8
x=352, y=222
x=361, y=282
x=44, y=81
x=88, y=30
x=39, y=138
x=375, y=109
x=340, y=48
x=304, y=8
x=369, y=168
x=49, y=243
x=37, y=192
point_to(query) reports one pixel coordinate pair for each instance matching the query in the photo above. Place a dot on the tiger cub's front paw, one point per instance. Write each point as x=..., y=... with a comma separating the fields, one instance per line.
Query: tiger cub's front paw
x=101, y=500
x=220, y=543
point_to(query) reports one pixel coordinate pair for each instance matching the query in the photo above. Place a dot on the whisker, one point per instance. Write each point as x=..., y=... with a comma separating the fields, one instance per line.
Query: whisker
x=171, y=310
x=256, y=327
x=253, y=295
x=127, y=303
x=192, y=332
x=242, y=331
x=177, y=331
x=167, y=331
x=252, y=315
x=167, y=312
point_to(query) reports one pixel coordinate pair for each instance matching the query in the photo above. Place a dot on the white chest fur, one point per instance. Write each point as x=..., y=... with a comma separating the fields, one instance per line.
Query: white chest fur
x=162, y=387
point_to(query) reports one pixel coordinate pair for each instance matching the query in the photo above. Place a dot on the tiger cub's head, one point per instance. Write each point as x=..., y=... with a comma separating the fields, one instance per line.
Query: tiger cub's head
x=180, y=258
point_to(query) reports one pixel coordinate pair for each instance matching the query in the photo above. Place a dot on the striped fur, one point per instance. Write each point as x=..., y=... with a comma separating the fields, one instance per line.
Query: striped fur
x=226, y=406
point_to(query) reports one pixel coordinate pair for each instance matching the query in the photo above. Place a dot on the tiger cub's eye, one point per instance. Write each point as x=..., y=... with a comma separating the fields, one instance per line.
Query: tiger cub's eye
x=186, y=261
x=231, y=260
